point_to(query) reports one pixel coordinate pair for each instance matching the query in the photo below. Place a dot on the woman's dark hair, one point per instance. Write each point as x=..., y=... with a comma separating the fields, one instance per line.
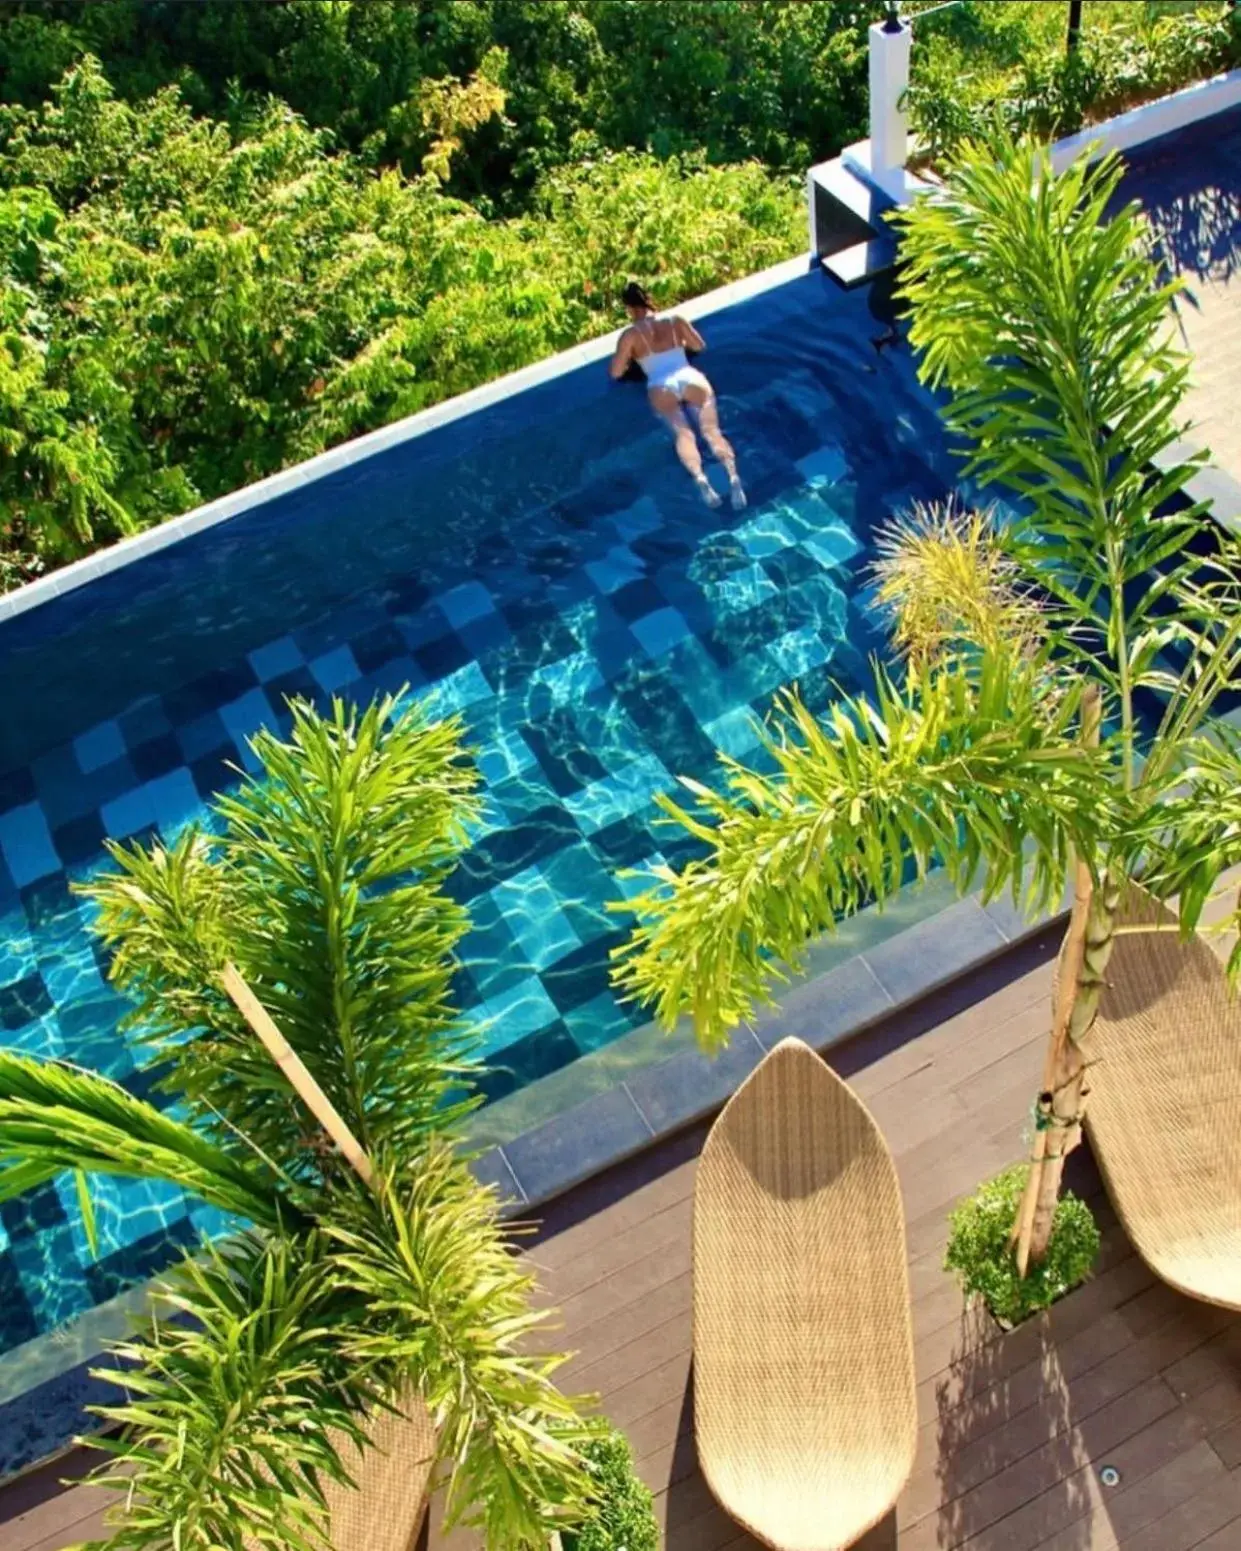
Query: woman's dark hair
x=635, y=295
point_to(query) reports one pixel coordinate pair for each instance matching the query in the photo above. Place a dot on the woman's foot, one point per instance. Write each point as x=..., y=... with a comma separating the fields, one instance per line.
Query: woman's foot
x=708, y=491
x=736, y=494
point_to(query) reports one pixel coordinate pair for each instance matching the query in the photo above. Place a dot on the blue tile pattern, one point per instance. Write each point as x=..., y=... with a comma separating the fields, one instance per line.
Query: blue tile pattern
x=599, y=629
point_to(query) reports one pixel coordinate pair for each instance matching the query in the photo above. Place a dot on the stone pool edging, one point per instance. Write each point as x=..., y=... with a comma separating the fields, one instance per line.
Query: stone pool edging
x=665, y=1095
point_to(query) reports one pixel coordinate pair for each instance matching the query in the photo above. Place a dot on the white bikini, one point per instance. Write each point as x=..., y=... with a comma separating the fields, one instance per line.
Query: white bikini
x=670, y=369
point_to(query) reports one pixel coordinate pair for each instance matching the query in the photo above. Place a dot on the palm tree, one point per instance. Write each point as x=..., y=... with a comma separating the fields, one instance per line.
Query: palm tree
x=359, y=1281
x=1050, y=722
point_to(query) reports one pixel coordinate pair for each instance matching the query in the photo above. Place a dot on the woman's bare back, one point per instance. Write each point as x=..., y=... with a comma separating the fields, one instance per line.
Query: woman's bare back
x=653, y=335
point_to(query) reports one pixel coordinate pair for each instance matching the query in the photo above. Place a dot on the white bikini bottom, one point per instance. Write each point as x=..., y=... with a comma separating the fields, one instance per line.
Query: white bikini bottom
x=683, y=377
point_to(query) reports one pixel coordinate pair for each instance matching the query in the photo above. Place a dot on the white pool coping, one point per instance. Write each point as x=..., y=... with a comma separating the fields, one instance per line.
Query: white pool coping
x=1151, y=120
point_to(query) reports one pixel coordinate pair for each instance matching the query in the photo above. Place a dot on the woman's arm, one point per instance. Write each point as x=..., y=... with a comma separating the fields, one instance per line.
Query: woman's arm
x=624, y=354
x=688, y=336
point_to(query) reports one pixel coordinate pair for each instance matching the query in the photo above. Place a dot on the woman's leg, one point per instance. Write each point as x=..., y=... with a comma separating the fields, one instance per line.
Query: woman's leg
x=668, y=407
x=703, y=402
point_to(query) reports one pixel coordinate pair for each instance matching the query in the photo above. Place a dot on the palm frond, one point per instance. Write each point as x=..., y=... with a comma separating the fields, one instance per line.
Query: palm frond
x=948, y=582
x=239, y=1405
x=960, y=766
x=1190, y=832
x=326, y=887
x=172, y=921
x=55, y=1117
x=1038, y=305
x=449, y=1305
x=1206, y=637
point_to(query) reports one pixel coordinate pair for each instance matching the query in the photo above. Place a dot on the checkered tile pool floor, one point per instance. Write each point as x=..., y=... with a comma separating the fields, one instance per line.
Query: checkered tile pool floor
x=631, y=637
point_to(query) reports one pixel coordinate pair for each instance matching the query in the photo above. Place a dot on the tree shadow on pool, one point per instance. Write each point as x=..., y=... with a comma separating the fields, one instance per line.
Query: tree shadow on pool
x=1191, y=196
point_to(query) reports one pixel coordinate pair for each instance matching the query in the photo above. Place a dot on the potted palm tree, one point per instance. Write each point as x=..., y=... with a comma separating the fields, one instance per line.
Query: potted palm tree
x=370, y=1276
x=1049, y=722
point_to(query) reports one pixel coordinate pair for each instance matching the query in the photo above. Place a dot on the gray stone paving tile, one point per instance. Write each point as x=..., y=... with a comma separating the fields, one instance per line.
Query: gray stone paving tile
x=691, y=1084
x=934, y=951
x=492, y=1168
x=827, y=1009
x=577, y=1143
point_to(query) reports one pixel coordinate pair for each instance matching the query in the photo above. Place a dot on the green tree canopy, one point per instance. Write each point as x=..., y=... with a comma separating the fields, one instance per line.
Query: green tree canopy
x=732, y=78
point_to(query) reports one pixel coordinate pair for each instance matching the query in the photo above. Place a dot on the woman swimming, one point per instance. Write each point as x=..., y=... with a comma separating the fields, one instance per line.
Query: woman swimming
x=657, y=345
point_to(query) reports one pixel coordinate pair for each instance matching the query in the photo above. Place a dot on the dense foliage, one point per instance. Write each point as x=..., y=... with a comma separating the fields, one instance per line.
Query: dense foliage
x=322, y=880
x=980, y=1249
x=234, y=234
x=622, y=1517
x=186, y=306
x=735, y=79
x=979, y=63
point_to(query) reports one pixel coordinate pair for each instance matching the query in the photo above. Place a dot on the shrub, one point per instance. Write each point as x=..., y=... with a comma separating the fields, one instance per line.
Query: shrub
x=980, y=64
x=624, y=1516
x=734, y=78
x=980, y=1254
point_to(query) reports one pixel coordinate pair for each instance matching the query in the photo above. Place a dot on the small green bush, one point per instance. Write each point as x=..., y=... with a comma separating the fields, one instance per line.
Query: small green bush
x=980, y=64
x=979, y=1252
x=624, y=1516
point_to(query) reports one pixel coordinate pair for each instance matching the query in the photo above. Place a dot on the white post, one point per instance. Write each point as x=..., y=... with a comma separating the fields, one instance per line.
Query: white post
x=889, y=80
x=814, y=230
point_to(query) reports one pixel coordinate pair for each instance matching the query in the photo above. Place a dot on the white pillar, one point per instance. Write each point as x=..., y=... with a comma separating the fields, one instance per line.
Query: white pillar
x=889, y=80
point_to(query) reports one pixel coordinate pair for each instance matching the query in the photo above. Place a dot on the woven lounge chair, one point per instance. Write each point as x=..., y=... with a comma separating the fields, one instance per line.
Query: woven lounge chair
x=387, y=1509
x=804, y=1401
x=1164, y=1116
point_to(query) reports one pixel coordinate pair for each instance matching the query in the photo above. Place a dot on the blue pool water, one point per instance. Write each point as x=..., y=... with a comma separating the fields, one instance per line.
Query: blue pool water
x=543, y=566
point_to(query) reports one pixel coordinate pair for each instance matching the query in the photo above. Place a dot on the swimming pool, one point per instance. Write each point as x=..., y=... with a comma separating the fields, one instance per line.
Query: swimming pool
x=543, y=566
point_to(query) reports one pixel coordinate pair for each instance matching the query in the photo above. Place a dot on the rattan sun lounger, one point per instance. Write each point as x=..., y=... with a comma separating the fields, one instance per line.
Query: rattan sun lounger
x=1164, y=1111
x=386, y=1510
x=804, y=1400
x=393, y=1481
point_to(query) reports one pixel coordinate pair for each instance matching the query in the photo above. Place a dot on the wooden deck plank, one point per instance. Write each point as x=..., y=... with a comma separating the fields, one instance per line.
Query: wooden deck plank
x=1014, y=1428
x=37, y=1513
x=92, y=1527
x=1040, y=1475
x=1060, y=1408
x=1125, y=1511
x=1192, y=1519
x=1226, y=1539
x=616, y=1339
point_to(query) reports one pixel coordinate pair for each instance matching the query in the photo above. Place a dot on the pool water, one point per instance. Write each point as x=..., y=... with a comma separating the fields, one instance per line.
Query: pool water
x=543, y=566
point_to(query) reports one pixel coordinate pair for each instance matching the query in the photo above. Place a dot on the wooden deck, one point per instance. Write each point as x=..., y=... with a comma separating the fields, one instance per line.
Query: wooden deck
x=1015, y=1428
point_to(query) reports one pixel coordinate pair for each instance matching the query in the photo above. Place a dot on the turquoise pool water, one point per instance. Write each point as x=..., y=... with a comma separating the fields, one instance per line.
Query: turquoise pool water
x=543, y=566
